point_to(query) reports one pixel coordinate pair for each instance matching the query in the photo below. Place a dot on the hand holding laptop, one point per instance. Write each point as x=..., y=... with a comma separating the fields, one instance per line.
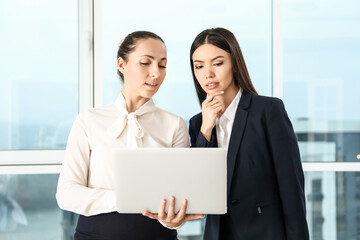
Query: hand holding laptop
x=195, y=176
x=171, y=219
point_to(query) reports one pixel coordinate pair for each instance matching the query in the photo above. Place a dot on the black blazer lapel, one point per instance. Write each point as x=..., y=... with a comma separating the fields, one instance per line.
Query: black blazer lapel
x=237, y=133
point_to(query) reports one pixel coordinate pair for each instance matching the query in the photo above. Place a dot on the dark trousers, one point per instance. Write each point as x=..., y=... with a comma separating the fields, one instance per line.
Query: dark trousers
x=116, y=226
x=227, y=228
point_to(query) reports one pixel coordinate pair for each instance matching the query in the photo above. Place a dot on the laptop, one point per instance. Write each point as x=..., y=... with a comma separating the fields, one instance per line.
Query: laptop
x=145, y=176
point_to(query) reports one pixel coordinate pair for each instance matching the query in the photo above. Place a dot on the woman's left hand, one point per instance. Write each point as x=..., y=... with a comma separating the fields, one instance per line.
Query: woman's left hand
x=172, y=220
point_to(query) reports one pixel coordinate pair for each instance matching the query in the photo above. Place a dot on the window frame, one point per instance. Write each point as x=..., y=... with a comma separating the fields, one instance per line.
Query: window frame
x=90, y=91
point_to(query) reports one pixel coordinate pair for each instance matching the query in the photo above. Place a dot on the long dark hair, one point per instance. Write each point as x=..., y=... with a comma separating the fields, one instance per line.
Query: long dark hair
x=128, y=44
x=224, y=39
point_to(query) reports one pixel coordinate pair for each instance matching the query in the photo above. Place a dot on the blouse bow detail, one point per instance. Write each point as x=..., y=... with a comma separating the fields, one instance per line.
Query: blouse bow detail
x=131, y=120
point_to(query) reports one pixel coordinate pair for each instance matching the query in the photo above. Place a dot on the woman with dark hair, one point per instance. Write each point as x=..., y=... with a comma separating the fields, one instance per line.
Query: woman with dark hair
x=265, y=187
x=86, y=179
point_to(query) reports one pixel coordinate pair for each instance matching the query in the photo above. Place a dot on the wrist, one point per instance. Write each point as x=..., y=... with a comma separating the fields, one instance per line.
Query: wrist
x=206, y=132
x=172, y=226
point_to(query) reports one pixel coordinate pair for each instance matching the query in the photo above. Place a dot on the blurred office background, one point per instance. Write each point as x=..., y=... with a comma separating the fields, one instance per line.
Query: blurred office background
x=58, y=58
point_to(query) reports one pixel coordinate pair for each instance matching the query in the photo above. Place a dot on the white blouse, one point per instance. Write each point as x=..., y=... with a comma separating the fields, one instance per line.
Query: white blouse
x=85, y=183
x=225, y=123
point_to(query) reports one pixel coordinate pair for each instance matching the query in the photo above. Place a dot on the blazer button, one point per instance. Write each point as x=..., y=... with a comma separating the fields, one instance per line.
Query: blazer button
x=234, y=202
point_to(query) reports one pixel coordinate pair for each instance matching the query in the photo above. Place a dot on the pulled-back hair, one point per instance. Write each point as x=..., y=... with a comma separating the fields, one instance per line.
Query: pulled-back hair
x=128, y=45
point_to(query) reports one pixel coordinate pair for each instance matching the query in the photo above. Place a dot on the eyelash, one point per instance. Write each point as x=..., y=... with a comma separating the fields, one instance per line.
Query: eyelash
x=215, y=64
x=146, y=64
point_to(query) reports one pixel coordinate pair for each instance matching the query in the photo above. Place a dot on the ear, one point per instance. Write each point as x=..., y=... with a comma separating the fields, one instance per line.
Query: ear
x=121, y=63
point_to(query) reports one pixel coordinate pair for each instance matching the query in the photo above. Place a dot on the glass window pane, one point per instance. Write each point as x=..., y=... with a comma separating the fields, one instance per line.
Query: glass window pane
x=39, y=73
x=28, y=209
x=321, y=75
x=333, y=205
x=178, y=23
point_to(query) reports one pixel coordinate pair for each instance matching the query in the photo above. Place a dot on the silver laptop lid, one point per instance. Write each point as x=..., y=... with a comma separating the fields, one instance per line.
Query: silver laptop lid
x=143, y=177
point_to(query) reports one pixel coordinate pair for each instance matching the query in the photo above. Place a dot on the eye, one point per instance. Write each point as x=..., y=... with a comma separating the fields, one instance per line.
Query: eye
x=218, y=64
x=198, y=66
x=162, y=66
x=144, y=63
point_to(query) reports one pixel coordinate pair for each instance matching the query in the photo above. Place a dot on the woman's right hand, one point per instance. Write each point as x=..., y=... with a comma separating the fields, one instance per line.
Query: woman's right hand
x=211, y=107
x=171, y=219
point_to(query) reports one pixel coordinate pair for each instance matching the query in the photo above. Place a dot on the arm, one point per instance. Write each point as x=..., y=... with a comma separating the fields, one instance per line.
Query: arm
x=290, y=176
x=72, y=191
x=196, y=138
x=181, y=136
x=202, y=126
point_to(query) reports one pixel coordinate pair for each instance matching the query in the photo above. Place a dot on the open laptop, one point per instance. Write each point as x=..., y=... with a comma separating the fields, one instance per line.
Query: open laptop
x=145, y=176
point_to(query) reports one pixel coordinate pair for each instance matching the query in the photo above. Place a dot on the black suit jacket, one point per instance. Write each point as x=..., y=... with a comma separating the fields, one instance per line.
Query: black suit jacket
x=265, y=181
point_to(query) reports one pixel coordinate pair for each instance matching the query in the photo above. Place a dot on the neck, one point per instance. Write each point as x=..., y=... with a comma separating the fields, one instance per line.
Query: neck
x=133, y=103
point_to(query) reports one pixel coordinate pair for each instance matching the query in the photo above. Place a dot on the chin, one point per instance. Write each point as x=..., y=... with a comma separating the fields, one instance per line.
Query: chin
x=213, y=90
x=148, y=94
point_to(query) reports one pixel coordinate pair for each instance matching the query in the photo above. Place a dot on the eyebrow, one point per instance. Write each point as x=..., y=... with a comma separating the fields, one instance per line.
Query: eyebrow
x=220, y=56
x=149, y=56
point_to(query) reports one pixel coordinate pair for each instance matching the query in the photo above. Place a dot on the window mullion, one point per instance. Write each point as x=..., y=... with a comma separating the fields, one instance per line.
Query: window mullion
x=86, y=55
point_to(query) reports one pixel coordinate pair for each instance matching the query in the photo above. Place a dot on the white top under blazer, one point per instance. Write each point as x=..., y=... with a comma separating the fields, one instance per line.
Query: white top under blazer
x=85, y=183
x=225, y=123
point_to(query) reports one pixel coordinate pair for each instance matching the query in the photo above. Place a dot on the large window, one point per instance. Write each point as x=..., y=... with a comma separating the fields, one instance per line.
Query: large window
x=178, y=23
x=333, y=205
x=39, y=73
x=321, y=76
x=28, y=209
x=38, y=103
x=59, y=57
x=321, y=84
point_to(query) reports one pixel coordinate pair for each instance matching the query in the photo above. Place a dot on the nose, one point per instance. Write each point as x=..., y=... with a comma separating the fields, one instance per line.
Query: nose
x=209, y=73
x=155, y=72
x=153, y=75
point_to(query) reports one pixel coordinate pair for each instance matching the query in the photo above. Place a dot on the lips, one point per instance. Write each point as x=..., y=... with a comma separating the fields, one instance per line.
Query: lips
x=212, y=85
x=152, y=85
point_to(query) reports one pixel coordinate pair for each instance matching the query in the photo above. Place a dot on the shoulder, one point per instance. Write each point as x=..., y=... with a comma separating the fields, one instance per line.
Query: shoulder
x=265, y=103
x=265, y=100
x=271, y=108
x=103, y=110
x=168, y=117
x=166, y=114
x=97, y=114
x=196, y=120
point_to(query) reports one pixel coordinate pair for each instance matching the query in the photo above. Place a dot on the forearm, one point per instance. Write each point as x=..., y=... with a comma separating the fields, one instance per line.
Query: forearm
x=201, y=141
x=85, y=201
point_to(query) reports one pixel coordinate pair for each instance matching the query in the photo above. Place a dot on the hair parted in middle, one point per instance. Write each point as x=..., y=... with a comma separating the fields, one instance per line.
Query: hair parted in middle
x=224, y=39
